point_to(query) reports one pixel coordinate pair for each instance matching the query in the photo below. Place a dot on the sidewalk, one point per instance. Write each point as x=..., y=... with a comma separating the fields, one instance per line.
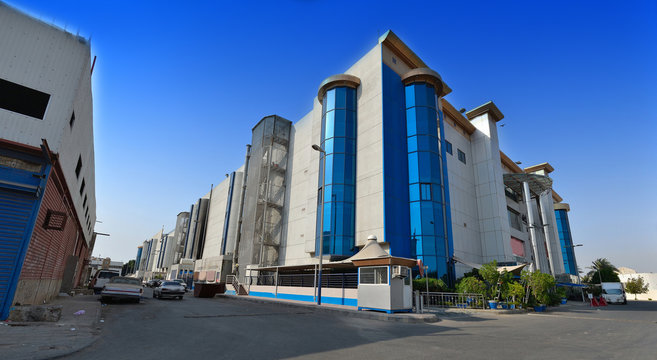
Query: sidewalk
x=47, y=340
x=340, y=310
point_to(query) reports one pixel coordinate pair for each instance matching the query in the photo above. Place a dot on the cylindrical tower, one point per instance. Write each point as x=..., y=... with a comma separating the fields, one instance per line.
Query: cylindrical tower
x=427, y=178
x=338, y=139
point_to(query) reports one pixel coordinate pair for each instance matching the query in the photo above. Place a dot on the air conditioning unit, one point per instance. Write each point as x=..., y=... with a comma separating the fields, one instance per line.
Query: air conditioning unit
x=398, y=272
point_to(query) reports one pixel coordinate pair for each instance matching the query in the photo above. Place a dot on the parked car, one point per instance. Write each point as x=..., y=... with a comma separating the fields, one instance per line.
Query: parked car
x=170, y=289
x=614, y=293
x=121, y=287
x=182, y=282
x=101, y=278
x=153, y=283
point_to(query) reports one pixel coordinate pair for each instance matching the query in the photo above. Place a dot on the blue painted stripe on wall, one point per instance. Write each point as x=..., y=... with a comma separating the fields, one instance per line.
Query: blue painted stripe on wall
x=306, y=298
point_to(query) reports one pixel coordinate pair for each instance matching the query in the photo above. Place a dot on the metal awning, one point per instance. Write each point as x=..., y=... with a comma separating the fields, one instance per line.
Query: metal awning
x=570, y=284
x=537, y=183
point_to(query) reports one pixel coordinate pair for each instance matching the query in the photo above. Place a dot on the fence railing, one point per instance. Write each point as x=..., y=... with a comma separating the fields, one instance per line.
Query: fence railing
x=339, y=281
x=452, y=300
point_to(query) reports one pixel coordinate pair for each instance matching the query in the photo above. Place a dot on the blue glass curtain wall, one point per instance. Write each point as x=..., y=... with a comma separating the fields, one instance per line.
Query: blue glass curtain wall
x=339, y=198
x=429, y=231
x=395, y=166
x=566, y=240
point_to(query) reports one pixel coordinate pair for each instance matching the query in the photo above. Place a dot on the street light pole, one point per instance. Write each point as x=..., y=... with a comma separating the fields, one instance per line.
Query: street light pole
x=321, y=222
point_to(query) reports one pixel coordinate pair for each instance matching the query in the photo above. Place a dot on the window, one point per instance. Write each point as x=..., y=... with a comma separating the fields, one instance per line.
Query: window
x=374, y=275
x=82, y=187
x=78, y=167
x=514, y=219
x=70, y=122
x=448, y=147
x=461, y=155
x=84, y=203
x=511, y=194
x=23, y=100
x=425, y=191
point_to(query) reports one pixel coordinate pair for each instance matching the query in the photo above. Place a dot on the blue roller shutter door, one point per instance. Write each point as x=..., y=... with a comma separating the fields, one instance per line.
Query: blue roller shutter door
x=17, y=212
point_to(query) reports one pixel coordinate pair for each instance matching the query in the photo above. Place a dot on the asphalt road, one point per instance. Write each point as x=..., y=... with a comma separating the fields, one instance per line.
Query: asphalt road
x=234, y=329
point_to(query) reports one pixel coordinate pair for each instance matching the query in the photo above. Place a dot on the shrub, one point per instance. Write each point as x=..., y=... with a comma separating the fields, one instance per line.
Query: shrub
x=471, y=285
x=561, y=291
x=435, y=285
x=541, y=285
x=516, y=292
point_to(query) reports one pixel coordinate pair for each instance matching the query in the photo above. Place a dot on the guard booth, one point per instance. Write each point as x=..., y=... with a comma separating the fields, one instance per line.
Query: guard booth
x=384, y=281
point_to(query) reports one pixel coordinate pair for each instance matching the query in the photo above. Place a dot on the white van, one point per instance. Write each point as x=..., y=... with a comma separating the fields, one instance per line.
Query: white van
x=614, y=293
x=101, y=278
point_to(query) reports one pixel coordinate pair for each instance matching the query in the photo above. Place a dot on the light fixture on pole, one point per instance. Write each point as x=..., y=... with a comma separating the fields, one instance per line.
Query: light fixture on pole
x=321, y=223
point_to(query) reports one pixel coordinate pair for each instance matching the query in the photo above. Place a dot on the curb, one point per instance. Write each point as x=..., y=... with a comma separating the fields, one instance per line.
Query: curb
x=400, y=317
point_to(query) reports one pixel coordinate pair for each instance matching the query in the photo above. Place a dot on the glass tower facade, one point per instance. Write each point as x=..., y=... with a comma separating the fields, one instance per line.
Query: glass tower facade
x=428, y=196
x=566, y=241
x=338, y=192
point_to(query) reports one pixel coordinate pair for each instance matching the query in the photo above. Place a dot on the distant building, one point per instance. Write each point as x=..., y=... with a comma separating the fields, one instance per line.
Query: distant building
x=47, y=171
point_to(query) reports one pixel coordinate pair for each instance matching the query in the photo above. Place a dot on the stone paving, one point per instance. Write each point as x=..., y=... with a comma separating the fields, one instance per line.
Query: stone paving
x=47, y=340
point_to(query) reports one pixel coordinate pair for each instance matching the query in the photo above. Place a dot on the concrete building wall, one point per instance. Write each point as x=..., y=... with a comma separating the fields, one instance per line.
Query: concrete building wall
x=301, y=207
x=489, y=188
x=216, y=219
x=465, y=218
x=48, y=59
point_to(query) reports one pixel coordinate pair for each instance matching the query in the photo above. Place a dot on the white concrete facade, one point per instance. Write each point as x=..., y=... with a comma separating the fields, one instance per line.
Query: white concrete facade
x=45, y=58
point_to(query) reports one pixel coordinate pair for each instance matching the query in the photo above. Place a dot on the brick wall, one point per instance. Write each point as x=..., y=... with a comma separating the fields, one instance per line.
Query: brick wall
x=49, y=249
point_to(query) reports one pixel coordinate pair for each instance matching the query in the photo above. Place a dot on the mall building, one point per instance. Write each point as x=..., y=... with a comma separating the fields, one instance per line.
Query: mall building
x=393, y=159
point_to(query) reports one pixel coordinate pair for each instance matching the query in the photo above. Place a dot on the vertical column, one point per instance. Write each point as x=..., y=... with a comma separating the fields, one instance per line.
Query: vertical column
x=532, y=228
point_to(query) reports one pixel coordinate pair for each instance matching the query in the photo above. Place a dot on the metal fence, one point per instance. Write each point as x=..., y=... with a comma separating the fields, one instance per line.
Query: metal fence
x=452, y=300
x=339, y=281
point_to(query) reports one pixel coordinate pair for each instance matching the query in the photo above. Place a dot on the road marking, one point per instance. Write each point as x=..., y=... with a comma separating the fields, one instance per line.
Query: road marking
x=592, y=318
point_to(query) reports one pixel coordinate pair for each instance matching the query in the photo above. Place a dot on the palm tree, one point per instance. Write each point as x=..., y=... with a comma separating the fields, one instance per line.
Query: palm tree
x=602, y=269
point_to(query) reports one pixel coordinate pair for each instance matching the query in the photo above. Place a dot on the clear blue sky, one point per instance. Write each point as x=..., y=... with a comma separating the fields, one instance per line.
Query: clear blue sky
x=178, y=87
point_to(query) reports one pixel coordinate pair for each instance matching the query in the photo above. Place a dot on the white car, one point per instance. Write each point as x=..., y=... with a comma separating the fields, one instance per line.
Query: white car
x=120, y=287
x=614, y=293
x=101, y=278
x=169, y=289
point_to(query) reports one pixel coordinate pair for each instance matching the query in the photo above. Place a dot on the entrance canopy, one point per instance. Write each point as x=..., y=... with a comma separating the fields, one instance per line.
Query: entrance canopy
x=537, y=183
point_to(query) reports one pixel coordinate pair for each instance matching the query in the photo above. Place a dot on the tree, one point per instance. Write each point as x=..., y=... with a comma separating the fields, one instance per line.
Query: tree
x=636, y=286
x=128, y=268
x=602, y=268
